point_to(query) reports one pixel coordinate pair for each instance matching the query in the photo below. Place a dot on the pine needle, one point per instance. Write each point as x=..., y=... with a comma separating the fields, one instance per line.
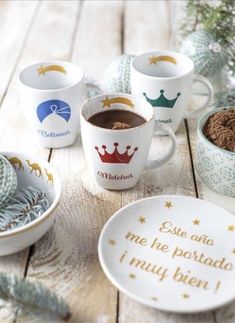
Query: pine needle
x=24, y=207
x=216, y=18
x=32, y=298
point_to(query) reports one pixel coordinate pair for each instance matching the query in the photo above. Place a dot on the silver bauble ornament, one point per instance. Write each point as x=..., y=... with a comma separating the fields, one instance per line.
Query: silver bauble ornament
x=117, y=74
x=208, y=55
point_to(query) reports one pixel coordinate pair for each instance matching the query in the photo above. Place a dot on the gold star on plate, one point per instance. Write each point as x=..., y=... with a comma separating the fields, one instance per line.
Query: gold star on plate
x=141, y=219
x=132, y=276
x=106, y=102
x=112, y=242
x=185, y=296
x=153, y=59
x=196, y=222
x=231, y=228
x=168, y=204
x=154, y=299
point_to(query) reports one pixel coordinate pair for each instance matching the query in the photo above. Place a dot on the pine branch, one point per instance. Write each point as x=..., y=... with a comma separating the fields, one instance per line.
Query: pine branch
x=24, y=207
x=32, y=298
x=216, y=19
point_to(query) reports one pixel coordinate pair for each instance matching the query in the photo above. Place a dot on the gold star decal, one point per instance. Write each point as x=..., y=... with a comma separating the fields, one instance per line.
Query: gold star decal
x=153, y=60
x=185, y=296
x=154, y=299
x=132, y=276
x=141, y=219
x=168, y=204
x=106, y=102
x=164, y=58
x=41, y=70
x=196, y=222
x=112, y=242
x=231, y=228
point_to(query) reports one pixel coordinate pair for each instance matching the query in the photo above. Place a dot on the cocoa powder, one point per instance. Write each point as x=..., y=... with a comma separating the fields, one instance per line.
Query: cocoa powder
x=120, y=125
x=220, y=129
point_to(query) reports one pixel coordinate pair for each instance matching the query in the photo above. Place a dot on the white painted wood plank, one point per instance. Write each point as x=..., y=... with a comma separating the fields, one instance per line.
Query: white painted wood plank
x=11, y=45
x=13, y=33
x=66, y=260
x=54, y=18
x=147, y=26
x=176, y=176
x=99, y=37
x=177, y=15
x=50, y=38
x=227, y=313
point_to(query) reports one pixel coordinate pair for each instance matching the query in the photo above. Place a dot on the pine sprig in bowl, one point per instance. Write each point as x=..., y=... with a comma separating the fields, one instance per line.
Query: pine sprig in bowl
x=26, y=226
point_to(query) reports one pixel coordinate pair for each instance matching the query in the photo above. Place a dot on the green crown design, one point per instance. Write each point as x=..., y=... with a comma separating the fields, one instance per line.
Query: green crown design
x=162, y=101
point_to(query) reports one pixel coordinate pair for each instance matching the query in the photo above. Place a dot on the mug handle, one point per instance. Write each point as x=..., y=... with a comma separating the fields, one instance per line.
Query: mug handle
x=161, y=161
x=201, y=79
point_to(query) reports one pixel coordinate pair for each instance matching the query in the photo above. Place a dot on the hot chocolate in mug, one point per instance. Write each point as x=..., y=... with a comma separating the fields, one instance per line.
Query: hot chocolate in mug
x=164, y=79
x=52, y=93
x=117, y=157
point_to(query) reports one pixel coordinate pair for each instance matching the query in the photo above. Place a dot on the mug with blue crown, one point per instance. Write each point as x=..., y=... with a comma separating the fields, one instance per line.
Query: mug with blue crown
x=52, y=93
x=165, y=79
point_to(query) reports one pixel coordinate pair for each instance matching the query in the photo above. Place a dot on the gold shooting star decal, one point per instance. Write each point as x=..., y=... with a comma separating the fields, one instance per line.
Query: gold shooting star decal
x=43, y=70
x=154, y=59
x=231, y=228
x=107, y=102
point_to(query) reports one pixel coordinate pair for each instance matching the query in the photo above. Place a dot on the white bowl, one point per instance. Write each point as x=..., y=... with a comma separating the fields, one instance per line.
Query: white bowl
x=21, y=238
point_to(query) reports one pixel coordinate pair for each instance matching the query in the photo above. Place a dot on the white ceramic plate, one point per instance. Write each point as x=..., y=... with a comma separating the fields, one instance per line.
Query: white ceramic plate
x=173, y=253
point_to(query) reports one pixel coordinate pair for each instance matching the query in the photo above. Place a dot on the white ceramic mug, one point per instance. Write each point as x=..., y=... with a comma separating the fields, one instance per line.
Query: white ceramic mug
x=164, y=79
x=51, y=96
x=117, y=157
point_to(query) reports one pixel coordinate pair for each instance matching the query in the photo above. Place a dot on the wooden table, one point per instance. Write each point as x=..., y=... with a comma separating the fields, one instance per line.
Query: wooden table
x=91, y=34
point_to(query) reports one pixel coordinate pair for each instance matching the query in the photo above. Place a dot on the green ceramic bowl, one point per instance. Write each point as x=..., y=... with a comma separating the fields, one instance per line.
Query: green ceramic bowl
x=215, y=166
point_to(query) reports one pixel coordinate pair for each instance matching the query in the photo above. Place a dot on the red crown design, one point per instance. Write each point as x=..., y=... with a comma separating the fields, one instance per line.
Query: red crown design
x=116, y=157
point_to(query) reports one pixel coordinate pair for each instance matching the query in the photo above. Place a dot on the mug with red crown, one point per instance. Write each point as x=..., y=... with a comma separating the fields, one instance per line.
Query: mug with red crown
x=117, y=157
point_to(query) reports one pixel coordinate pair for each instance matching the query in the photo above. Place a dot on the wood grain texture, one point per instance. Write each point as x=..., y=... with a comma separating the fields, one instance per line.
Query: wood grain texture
x=15, y=133
x=147, y=26
x=66, y=258
x=12, y=43
x=227, y=313
x=53, y=18
x=98, y=38
x=174, y=177
x=91, y=34
x=13, y=34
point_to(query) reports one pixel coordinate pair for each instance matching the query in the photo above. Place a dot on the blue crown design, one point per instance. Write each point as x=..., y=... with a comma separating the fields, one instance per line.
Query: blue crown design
x=162, y=101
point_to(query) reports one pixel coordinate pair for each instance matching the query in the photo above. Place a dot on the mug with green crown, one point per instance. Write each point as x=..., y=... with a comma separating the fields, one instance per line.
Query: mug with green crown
x=165, y=80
